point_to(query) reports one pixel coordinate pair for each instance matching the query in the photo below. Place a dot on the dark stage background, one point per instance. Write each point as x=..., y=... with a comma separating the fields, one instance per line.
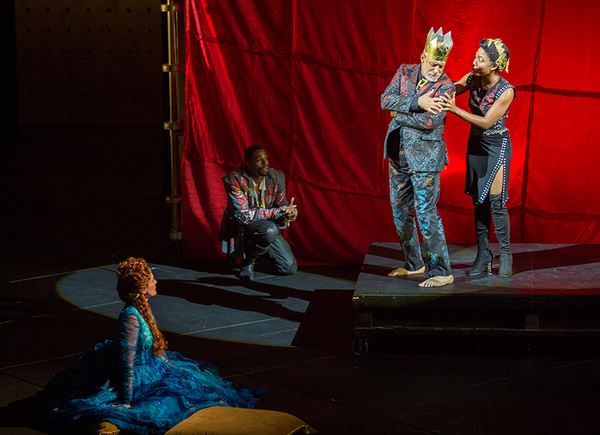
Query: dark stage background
x=85, y=159
x=303, y=78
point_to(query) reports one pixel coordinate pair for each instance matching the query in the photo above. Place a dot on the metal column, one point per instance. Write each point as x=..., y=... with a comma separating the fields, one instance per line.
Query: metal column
x=175, y=123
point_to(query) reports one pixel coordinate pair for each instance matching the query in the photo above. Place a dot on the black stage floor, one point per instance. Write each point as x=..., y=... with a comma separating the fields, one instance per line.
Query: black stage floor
x=211, y=302
x=292, y=335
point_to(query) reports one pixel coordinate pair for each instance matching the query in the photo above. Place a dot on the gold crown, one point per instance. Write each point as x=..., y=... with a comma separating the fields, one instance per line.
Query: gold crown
x=438, y=45
x=503, y=58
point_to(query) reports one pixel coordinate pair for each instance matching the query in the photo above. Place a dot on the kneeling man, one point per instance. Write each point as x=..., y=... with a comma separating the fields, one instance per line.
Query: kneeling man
x=256, y=213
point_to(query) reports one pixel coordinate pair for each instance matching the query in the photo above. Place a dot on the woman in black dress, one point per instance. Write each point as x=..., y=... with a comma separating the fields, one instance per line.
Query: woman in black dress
x=488, y=150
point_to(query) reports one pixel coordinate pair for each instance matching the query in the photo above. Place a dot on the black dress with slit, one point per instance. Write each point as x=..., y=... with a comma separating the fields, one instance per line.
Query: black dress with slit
x=487, y=150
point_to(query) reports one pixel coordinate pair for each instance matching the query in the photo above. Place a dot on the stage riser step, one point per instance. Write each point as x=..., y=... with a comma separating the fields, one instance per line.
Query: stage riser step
x=478, y=319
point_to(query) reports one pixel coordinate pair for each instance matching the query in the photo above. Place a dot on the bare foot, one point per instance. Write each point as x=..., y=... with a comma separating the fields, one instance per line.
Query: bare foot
x=437, y=281
x=403, y=272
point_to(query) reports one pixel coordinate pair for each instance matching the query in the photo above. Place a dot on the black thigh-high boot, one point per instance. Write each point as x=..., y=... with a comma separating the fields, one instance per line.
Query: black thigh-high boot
x=502, y=227
x=483, y=221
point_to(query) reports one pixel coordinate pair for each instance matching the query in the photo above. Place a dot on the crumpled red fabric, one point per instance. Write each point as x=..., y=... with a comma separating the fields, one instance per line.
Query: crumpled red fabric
x=304, y=80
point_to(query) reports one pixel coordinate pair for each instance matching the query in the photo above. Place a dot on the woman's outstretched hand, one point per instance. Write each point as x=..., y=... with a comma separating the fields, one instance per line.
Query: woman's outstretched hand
x=449, y=103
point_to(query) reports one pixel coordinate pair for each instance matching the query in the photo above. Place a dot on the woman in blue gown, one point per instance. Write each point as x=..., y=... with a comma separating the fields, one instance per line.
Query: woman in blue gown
x=135, y=383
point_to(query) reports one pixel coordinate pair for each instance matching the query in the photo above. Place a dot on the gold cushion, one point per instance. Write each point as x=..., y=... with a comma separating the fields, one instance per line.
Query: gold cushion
x=224, y=420
x=106, y=428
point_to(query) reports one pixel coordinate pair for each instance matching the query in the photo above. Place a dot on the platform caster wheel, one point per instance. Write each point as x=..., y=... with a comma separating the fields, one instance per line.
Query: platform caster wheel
x=360, y=347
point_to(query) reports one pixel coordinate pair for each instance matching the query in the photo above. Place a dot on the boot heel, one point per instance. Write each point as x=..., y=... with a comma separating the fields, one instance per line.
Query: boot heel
x=481, y=266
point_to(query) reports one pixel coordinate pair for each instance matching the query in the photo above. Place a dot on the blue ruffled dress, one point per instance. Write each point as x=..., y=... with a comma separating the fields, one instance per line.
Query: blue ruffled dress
x=162, y=391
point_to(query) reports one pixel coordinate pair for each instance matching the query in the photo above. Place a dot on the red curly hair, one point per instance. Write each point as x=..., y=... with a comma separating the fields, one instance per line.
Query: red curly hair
x=134, y=277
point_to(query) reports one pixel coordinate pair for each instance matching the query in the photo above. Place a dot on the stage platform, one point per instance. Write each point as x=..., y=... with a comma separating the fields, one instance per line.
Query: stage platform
x=555, y=289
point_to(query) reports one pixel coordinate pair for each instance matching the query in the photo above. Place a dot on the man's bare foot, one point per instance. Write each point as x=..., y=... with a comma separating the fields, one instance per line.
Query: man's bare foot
x=403, y=272
x=437, y=281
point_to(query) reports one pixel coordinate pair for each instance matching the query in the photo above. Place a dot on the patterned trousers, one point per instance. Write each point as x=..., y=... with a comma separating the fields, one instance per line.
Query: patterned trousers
x=418, y=193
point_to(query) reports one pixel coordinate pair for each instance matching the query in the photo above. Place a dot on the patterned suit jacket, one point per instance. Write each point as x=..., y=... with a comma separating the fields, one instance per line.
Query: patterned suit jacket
x=243, y=206
x=422, y=133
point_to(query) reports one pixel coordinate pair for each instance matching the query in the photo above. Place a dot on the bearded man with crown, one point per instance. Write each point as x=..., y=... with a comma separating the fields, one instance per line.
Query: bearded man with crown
x=416, y=152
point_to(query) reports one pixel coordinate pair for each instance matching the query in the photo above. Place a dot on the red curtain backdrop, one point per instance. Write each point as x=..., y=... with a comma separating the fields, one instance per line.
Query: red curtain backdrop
x=303, y=78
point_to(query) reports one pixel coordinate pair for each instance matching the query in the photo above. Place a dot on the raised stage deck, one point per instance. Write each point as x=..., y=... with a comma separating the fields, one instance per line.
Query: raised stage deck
x=555, y=289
